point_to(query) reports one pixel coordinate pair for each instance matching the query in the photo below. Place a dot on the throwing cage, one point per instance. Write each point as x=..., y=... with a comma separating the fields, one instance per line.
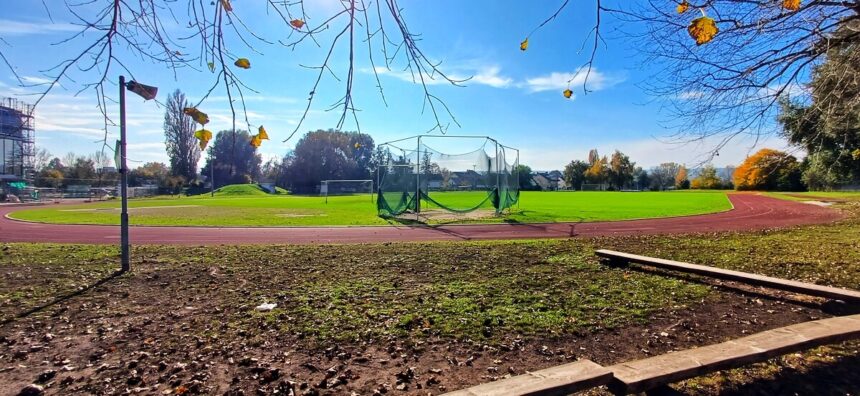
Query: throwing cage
x=415, y=174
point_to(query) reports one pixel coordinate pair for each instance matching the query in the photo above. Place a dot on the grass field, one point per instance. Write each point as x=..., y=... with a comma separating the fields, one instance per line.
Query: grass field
x=292, y=210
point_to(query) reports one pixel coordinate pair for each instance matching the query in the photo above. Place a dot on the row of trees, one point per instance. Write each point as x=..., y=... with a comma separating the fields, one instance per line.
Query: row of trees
x=323, y=155
x=73, y=169
x=618, y=172
x=98, y=170
x=319, y=155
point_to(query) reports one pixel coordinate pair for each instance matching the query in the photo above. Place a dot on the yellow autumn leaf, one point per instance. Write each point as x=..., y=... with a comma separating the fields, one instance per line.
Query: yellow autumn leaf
x=357, y=145
x=226, y=5
x=568, y=93
x=243, y=63
x=262, y=133
x=703, y=30
x=197, y=115
x=203, y=134
x=791, y=5
x=297, y=23
x=524, y=45
x=682, y=7
x=211, y=66
x=856, y=154
x=256, y=141
x=201, y=117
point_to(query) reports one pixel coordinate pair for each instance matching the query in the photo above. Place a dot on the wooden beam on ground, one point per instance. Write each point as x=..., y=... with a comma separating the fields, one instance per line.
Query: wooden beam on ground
x=559, y=380
x=641, y=375
x=744, y=277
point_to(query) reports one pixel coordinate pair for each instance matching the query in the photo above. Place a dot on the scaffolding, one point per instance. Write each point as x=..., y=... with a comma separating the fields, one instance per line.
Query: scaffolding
x=17, y=141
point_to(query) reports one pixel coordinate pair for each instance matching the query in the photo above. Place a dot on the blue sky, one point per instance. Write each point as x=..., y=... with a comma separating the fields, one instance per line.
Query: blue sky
x=513, y=96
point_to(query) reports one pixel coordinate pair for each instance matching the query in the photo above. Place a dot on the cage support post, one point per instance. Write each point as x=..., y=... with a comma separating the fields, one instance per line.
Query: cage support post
x=418, y=179
x=498, y=180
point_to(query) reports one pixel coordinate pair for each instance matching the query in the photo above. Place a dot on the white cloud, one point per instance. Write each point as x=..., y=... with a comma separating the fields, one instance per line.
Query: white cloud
x=36, y=80
x=145, y=146
x=486, y=75
x=18, y=28
x=557, y=81
x=490, y=76
x=792, y=90
x=255, y=98
x=691, y=95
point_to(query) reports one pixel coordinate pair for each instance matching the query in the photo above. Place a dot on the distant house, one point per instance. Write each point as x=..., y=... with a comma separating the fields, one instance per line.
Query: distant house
x=542, y=182
x=469, y=180
x=549, y=181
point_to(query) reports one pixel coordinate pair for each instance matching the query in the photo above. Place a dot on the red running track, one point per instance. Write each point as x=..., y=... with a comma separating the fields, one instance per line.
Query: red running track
x=751, y=212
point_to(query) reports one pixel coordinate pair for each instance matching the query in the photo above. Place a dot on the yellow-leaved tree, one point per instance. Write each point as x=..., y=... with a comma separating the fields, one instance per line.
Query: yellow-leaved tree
x=769, y=170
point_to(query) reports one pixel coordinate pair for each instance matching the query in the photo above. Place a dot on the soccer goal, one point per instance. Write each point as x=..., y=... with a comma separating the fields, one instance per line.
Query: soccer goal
x=346, y=187
x=594, y=187
x=420, y=175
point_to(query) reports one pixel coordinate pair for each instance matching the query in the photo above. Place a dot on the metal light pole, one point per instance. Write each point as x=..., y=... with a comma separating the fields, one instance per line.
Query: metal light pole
x=123, y=174
x=146, y=92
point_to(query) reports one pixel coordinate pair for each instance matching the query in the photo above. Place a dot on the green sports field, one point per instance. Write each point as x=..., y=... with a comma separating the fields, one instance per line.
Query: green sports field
x=292, y=210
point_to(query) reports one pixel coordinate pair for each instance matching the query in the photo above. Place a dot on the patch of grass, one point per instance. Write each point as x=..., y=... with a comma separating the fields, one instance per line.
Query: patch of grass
x=290, y=210
x=245, y=190
x=35, y=274
x=815, y=195
x=825, y=254
x=479, y=291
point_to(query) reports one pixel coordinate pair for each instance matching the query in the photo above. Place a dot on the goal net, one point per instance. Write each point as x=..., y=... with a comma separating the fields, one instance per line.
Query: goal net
x=419, y=173
x=594, y=187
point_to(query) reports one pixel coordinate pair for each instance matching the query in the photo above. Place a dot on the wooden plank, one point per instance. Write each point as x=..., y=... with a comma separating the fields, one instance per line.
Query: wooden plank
x=641, y=375
x=557, y=380
x=738, y=276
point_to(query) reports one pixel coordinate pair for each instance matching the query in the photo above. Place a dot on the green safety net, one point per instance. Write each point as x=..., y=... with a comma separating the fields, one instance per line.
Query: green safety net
x=491, y=195
x=481, y=178
x=387, y=204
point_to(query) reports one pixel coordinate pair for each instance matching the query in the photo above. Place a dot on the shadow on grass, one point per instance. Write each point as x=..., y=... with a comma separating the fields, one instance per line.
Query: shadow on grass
x=62, y=298
x=828, y=306
x=838, y=377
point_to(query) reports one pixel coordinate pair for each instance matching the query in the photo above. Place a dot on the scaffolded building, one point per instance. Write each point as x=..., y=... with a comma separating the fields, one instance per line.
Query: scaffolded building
x=17, y=142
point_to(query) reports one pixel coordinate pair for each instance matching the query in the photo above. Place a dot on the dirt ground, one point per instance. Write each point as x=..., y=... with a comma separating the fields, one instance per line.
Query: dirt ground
x=437, y=216
x=142, y=334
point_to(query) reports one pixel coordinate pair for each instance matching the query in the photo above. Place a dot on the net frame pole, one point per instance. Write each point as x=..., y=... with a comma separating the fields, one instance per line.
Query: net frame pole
x=418, y=179
x=498, y=180
x=517, y=171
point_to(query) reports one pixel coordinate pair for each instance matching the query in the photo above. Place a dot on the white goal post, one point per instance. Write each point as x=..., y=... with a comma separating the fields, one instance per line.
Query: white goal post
x=345, y=187
x=594, y=187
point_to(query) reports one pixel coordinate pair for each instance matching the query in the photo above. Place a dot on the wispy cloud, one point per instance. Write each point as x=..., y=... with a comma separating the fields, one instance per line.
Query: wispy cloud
x=490, y=76
x=18, y=28
x=36, y=80
x=256, y=98
x=558, y=81
x=487, y=75
x=691, y=95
